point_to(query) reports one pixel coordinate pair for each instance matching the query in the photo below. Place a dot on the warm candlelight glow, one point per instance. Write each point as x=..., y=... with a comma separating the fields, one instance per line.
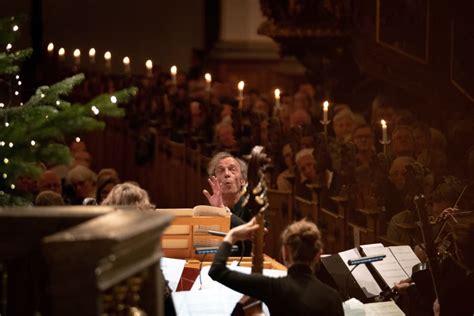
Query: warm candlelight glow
x=174, y=71
x=149, y=64
x=107, y=55
x=208, y=79
x=92, y=52
x=61, y=51
x=325, y=112
x=384, y=124
x=384, y=134
x=77, y=53
x=126, y=60
x=277, y=94
x=50, y=47
x=325, y=106
x=241, y=86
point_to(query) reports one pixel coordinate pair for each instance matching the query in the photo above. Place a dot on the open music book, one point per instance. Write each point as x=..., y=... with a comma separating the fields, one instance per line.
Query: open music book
x=396, y=266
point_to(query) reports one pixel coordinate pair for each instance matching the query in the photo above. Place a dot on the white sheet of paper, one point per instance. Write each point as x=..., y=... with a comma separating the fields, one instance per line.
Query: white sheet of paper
x=361, y=274
x=389, y=268
x=388, y=308
x=205, y=302
x=406, y=257
x=172, y=270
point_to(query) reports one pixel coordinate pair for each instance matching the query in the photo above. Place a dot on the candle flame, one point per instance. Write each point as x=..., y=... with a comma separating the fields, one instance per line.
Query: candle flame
x=241, y=85
x=50, y=47
x=77, y=53
x=149, y=64
x=208, y=77
x=174, y=70
x=61, y=51
x=92, y=52
x=325, y=105
x=277, y=93
x=384, y=124
x=107, y=55
x=126, y=60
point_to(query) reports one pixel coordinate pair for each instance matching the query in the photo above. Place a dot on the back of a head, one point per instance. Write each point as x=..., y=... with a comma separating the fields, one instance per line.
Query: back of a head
x=48, y=198
x=303, y=240
x=128, y=194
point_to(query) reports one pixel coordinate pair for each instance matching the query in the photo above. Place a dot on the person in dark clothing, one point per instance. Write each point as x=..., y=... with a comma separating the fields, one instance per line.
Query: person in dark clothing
x=300, y=292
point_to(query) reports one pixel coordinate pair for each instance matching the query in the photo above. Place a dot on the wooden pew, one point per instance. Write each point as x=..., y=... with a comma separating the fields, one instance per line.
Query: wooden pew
x=279, y=214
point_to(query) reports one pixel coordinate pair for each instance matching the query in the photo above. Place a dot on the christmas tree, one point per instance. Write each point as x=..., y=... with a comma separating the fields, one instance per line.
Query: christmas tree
x=35, y=132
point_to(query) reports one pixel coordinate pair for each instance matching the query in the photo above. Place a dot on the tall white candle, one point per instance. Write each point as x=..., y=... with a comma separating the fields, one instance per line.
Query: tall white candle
x=126, y=64
x=325, y=111
x=241, y=86
x=50, y=49
x=149, y=68
x=208, y=79
x=108, y=60
x=173, y=71
x=61, y=54
x=92, y=55
x=77, y=57
x=277, y=97
x=384, y=131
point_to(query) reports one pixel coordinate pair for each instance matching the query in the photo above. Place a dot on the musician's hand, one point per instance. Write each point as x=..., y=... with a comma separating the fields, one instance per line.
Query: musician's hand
x=436, y=309
x=242, y=232
x=216, y=198
x=403, y=285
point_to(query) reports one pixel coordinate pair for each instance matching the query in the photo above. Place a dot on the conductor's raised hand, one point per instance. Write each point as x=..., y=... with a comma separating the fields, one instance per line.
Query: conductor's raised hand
x=242, y=232
x=216, y=198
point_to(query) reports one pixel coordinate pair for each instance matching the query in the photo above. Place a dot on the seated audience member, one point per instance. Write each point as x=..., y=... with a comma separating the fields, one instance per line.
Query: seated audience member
x=343, y=125
x=224, y=136
x=403, y=142
x=306, y=165
x=106, y=180
x=283, y=179
x=363, y=139
x=48, y=198
x=128, y=194
x=299, y=117
x=300, y=292
x=82, y=158
x=50, y=181
x=83, y=181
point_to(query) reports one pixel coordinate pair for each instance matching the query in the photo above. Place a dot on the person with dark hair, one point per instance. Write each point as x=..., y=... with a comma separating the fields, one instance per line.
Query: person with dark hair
x=300, y=292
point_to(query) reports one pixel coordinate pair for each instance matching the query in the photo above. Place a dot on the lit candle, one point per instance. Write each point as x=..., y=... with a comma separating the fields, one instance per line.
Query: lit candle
x=108, y=60
x=61, y=54
x=149, y=68
x=241, y=86
x=50, y=49
x=126, y=64
x=208, y=79
x=277, y=98
x=92, y=55
x=384, y=131
x=173, y=71
x=77, y=57
x=325, y=111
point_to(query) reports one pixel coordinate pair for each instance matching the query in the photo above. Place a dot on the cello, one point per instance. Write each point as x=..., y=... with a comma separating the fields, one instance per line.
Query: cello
x=257, y=203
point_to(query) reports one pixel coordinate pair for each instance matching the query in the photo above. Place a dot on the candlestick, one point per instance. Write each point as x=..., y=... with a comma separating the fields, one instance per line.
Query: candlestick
x=92, y=56
x=240, y=87
x=108, y=60
x=61, y=54
x=126, y=64
x=149, y=68
x=173, y=71
x=77, y=57
x=208, y=79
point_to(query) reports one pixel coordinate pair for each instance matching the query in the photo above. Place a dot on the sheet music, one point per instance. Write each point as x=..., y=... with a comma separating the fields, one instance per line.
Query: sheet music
x=389, y=268
x=218, y=301
x=172, y=270
x=406, y=257
x=388, y=308
x=361, y=274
